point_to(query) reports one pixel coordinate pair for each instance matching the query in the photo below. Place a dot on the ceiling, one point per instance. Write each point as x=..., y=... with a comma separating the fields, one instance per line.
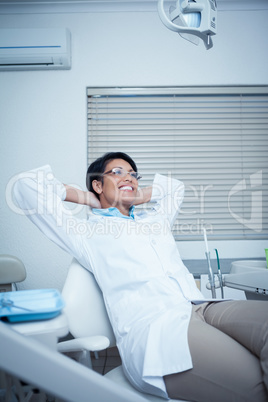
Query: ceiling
x=109, y=5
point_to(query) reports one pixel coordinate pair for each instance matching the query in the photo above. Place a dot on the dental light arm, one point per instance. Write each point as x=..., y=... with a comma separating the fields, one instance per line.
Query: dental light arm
x=193, y=19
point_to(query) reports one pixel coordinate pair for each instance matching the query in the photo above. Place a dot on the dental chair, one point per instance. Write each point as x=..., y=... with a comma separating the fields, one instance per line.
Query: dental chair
x=32, y=368
x=89, y=324
x=12, y=270
x=33, y=362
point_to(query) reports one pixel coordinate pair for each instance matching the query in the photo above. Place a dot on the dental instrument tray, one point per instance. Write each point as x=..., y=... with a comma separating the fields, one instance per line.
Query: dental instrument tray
x=30, y=305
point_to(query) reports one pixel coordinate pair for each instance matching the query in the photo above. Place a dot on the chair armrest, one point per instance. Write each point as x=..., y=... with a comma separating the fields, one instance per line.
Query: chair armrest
x=90, y=343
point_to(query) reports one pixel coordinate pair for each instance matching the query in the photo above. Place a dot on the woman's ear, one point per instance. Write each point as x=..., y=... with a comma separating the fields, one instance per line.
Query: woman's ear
x=97, y=186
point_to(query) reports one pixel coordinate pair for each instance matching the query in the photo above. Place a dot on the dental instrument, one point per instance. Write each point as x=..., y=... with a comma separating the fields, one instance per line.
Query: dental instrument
x=10, y=303
x=219, y=274
x=210, y=272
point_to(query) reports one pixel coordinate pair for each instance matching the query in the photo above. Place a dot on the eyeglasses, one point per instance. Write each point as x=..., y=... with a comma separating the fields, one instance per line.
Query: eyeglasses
x=119, y=172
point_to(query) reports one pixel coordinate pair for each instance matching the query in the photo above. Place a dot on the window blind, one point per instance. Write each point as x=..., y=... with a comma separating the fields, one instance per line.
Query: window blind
x=213, y=139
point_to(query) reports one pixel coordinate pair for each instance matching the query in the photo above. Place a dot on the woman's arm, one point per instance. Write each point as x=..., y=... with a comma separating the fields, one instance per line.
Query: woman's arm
x=40, y=196
x=143, y=195
x=81, y=197
x=168, y=195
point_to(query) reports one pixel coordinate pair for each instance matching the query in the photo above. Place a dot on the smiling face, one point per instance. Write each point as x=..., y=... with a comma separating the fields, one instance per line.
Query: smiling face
x=116, y=191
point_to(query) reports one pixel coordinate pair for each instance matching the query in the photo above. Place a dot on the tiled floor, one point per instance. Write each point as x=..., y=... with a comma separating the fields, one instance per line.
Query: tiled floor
x=105, y=363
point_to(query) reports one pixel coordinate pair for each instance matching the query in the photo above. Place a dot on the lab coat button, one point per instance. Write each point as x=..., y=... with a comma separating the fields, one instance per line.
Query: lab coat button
x=50, y=176
x=153, y=242
x=184, y=317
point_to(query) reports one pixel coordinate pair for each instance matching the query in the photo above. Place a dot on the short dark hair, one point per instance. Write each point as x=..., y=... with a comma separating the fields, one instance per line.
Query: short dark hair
x=98, y=167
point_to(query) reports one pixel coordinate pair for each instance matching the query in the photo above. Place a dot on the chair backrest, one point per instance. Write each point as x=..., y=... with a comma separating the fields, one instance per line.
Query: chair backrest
x=84, y=305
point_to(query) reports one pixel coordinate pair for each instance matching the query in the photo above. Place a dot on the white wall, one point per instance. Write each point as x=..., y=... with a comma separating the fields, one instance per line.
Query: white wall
x=43, y=113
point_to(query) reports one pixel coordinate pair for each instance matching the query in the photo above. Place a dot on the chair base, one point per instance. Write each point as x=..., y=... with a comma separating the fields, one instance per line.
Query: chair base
x=117, y=376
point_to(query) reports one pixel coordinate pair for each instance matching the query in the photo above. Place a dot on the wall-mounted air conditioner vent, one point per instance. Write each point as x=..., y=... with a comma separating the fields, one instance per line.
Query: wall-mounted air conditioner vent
x=35, y=49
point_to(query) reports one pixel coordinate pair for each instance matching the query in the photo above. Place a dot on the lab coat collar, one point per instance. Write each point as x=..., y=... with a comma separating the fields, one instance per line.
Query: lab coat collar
x=114, y=212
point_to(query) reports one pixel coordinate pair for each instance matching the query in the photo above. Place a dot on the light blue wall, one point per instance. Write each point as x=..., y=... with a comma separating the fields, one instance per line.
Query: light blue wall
x=43, y=113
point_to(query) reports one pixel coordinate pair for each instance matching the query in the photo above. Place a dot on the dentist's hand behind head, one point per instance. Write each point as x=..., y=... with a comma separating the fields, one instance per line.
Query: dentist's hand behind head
x=82, y=197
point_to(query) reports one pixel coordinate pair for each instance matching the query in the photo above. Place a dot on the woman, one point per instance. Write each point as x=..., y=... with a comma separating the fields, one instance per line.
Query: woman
x=172, y=342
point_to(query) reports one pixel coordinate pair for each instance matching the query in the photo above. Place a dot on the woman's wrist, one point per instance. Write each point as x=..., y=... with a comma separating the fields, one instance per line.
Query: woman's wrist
x=143, y=196
x=74, y=194
x=91, y=200
x=81, y=197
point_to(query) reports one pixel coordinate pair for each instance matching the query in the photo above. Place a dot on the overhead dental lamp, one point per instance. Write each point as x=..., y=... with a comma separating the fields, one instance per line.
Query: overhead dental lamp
x=192, y=19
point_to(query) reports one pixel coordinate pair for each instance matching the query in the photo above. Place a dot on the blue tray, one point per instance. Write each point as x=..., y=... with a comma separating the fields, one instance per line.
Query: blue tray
x=30, y=305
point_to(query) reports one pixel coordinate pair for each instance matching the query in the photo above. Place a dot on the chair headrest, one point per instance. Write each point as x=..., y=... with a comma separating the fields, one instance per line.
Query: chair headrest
x=12, y=269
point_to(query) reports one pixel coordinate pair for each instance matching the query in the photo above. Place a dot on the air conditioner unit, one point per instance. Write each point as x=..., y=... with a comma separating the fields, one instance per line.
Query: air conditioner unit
x=35, y=49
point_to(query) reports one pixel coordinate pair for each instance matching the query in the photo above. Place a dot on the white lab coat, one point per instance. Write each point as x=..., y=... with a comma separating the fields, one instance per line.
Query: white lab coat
x=146, y=287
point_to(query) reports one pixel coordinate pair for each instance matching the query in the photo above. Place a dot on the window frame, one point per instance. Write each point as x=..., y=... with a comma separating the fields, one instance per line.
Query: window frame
x=100, y=92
